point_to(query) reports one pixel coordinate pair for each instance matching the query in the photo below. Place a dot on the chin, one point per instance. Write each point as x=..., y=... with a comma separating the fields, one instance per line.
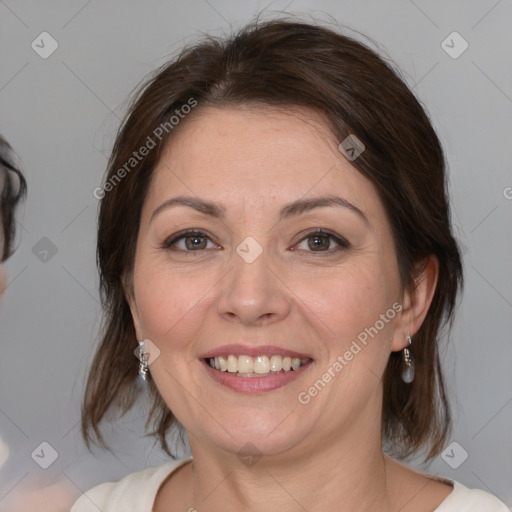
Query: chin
x=257, y=434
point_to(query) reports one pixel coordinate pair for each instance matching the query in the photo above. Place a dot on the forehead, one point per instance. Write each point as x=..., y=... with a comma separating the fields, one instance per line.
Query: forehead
x=229, y=153
x=249, y=132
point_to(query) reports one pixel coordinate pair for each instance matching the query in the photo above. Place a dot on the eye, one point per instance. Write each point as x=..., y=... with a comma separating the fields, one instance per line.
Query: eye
x=188, y=241
x=321, y=241
x=318, y=241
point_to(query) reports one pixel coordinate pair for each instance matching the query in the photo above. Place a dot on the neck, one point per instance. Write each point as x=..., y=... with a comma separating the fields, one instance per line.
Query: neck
x=344, y=472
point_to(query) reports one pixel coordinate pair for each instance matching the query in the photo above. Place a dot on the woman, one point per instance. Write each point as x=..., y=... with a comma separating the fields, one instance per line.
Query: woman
x=274, y=232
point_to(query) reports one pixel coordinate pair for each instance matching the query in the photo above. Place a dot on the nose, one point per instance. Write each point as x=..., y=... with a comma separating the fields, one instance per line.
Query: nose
x=253, y=293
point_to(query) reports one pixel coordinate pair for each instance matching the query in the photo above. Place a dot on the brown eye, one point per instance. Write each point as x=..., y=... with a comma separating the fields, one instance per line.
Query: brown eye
x=188, y=241
x=195, y=242
x=319, y=242
x=322, y=242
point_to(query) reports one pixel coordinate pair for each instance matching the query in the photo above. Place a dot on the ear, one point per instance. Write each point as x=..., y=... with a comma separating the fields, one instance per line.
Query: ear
x=416, y=303
x=129, y=293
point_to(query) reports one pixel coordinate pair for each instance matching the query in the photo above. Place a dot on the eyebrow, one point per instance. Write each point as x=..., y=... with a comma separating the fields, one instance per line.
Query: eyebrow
x=296, y=208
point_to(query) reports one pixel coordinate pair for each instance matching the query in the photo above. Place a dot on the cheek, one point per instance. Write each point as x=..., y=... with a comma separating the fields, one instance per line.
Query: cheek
x=356, y=305
x=350, y=299
x=171, y=304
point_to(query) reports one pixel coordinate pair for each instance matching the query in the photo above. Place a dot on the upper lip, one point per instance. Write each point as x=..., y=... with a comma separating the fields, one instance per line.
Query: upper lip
x=253, y=351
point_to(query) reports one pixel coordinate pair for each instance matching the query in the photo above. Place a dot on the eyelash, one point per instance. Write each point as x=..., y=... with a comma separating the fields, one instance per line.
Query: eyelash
x=343, y=244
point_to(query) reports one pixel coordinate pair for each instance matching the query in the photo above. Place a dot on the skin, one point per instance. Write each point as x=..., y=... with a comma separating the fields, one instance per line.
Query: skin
x=326, y=453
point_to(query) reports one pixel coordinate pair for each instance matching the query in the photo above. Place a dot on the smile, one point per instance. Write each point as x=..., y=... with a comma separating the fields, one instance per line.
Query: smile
x=250, y=369
x=259, y=366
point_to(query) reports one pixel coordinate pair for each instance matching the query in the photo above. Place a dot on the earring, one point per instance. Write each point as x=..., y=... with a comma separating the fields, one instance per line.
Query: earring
x=408, y=371
x=143, y=357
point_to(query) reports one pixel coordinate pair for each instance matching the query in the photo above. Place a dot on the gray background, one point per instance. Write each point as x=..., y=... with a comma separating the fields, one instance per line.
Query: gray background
x=61, y=113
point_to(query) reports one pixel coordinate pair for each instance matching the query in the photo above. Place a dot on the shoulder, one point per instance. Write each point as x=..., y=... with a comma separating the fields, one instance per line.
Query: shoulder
x=463, y=499
x=133, y=493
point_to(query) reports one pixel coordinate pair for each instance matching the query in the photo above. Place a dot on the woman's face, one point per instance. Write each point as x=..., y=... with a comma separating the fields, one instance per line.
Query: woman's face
x=259, y=280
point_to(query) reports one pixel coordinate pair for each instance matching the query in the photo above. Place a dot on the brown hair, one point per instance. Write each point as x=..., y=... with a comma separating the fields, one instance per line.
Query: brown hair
x=290, y=64
x=12, y=190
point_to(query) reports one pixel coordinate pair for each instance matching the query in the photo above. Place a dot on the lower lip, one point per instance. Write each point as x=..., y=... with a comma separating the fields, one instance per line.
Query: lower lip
x=254, y=385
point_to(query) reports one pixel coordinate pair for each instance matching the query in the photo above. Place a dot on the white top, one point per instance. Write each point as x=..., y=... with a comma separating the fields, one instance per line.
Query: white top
x=136, y=492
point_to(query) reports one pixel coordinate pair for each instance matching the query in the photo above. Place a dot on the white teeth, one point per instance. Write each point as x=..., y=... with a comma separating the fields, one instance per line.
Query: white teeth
x=261, y=364
x=245, y=364
x=254, y=366
x=232, y=364
x=276, y=363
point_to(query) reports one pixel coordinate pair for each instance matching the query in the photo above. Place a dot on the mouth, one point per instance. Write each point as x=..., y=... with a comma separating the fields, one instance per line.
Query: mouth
x=249, y=369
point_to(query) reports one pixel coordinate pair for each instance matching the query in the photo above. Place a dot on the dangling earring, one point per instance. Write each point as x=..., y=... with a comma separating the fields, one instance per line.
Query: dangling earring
x=143, y=357
x=408, y=371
